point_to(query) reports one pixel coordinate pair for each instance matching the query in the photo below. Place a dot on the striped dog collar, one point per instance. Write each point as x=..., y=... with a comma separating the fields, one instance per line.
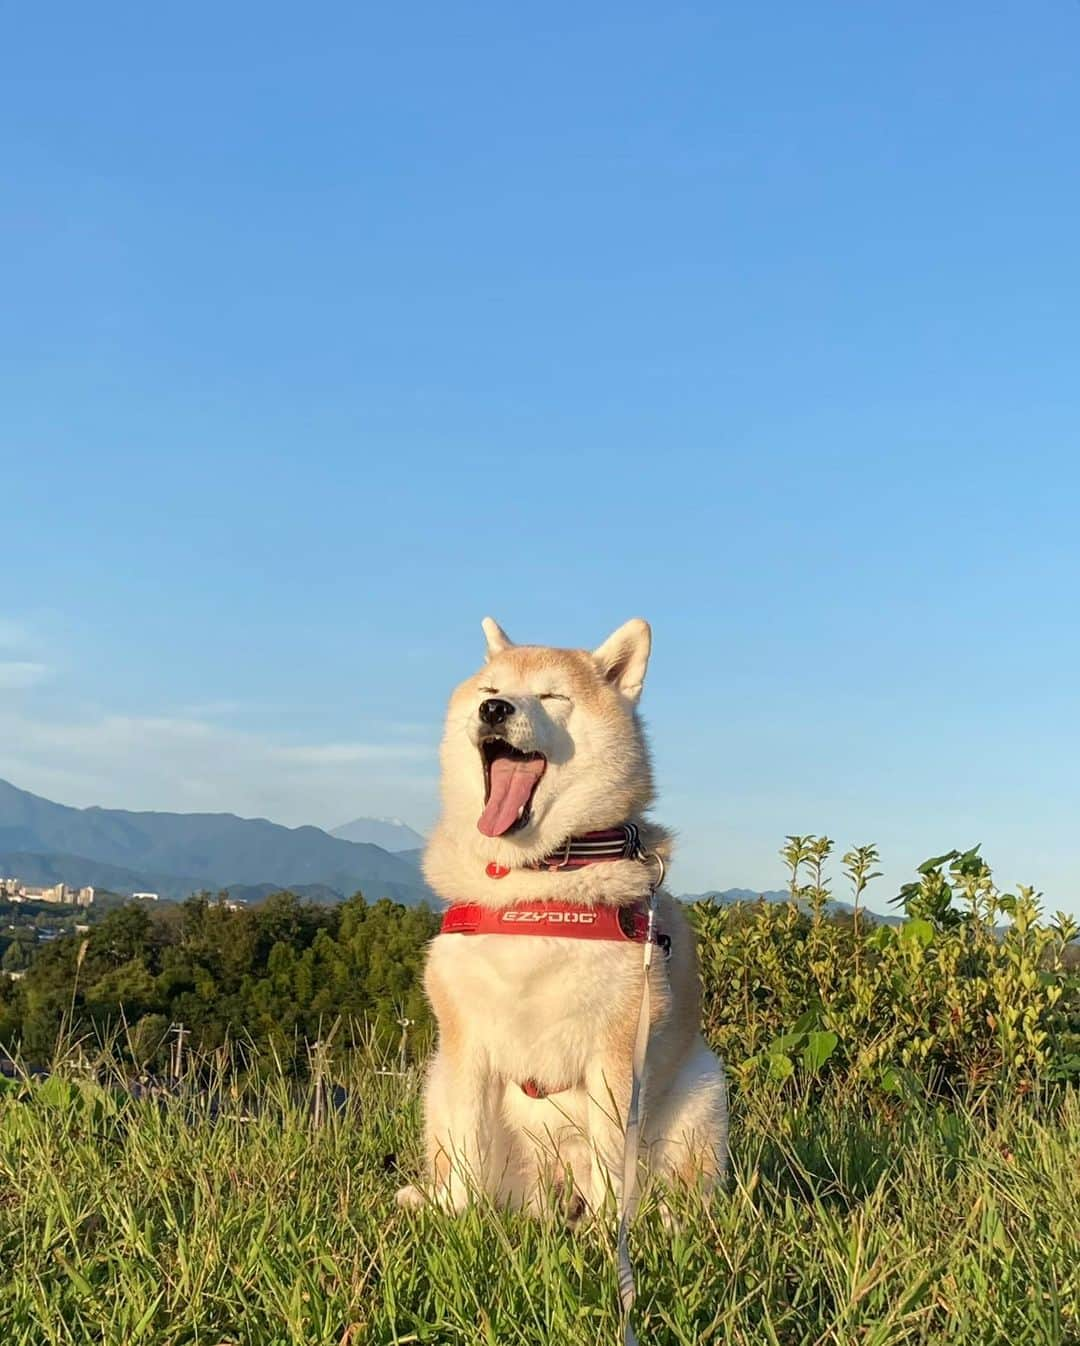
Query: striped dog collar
x=611, y=843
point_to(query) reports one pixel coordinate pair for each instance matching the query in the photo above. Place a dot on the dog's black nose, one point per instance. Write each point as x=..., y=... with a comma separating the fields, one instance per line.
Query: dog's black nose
x=494, y=710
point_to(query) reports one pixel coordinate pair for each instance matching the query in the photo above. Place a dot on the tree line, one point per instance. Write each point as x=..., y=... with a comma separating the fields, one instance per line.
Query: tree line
x=273, y=975
x=972, y=986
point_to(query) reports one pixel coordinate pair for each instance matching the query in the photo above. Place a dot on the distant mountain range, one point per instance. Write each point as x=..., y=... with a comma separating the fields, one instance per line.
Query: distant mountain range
x=390, y=833
x=729, y=896
x=175, y=854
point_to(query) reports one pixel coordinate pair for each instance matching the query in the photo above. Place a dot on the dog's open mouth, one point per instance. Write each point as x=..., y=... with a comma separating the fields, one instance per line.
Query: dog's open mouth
x=510, y=780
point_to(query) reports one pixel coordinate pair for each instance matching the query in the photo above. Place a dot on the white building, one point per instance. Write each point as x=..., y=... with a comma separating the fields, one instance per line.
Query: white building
x=14, y=890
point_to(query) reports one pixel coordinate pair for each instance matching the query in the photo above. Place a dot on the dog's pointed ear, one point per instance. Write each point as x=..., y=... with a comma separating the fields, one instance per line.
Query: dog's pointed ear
x=624, y=656
x=496, y=637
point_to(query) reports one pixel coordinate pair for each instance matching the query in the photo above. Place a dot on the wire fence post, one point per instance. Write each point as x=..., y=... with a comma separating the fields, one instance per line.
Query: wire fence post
x=403, y=1054
x=315, y=1057
x=180, y=1033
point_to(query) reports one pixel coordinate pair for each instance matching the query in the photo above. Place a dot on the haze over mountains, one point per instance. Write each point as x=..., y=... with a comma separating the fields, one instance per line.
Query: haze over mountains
x=835, y=906
x=175, y=854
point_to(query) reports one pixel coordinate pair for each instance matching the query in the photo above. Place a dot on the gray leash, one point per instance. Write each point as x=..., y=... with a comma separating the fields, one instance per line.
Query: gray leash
x=632, y=1143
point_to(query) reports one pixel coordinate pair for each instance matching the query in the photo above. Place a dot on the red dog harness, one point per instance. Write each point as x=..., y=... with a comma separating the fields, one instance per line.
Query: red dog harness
x=570, y=920
x=564, y=920
x=560, y=919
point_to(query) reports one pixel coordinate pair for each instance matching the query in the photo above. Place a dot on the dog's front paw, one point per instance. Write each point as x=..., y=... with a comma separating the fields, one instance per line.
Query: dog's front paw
x=575, y=1209
x=410, y=1198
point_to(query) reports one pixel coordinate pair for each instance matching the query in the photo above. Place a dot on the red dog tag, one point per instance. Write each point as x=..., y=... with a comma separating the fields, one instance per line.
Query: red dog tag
x=495, y=871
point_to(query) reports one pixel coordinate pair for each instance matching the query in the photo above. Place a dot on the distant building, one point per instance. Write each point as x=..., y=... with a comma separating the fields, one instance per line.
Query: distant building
x=59, y=894
x=14, y=890
x=145, y=897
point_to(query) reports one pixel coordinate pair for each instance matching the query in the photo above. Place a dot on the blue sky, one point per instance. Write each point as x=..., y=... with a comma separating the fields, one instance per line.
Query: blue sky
x=327, y=332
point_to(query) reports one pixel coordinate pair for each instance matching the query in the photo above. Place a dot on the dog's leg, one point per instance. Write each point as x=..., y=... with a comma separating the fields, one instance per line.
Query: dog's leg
x=608, y=1085
x=686, y=1128
x=465, y=1140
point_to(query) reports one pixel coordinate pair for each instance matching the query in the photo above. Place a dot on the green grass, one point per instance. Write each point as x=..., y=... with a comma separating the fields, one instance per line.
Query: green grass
x=145, y=1224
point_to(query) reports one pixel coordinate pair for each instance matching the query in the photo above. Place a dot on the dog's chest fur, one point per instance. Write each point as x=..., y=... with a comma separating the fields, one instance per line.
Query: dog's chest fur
x=534, y=1007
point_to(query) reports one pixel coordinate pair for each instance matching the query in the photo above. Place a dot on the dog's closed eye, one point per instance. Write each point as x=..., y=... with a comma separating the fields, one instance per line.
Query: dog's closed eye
x=552, y=696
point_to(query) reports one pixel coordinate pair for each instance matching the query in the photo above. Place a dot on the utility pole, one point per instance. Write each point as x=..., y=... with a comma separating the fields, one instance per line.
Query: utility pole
x=180, y=1033
x=315, y=1055
x=405, y=1024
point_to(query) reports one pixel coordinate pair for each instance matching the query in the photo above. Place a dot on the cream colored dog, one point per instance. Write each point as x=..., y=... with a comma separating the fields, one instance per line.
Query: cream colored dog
x=540, y=746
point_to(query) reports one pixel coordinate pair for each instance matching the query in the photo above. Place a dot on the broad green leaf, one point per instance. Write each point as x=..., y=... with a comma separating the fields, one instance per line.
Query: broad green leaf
x=809, y=1020
x=928, y=866
x=918, y=931
x=57, y=1092
x=780, y=1067
x=891, y=1080
x=901, y=1081
x=819, y=1047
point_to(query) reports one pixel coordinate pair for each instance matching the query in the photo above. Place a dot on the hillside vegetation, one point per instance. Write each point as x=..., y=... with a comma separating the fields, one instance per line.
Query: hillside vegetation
x=271, y=975
x=905, y=1134
x=946, y=1000
x=124, y=1223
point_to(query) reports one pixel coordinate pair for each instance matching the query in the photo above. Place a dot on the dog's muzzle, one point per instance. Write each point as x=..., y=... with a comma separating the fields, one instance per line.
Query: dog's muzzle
x=495, y=711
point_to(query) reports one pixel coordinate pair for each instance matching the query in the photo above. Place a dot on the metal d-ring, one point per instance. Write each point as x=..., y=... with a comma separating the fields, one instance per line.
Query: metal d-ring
x=565, y=859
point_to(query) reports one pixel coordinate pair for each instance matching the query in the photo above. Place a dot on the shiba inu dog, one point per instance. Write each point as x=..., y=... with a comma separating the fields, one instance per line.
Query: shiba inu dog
x=544, y=849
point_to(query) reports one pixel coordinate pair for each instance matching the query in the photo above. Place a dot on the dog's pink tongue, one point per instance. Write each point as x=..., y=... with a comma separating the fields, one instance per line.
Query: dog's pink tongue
x=512, y=784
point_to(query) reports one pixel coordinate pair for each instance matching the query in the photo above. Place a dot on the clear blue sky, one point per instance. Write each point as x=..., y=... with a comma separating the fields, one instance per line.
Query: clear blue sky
x=327, y=330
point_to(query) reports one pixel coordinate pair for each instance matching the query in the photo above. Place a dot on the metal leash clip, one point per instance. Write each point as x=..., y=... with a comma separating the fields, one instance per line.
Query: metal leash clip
x=562, y=864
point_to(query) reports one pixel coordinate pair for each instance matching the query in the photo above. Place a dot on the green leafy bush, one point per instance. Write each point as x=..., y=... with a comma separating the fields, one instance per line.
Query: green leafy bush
x=948, y=1000
x=971, y=987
